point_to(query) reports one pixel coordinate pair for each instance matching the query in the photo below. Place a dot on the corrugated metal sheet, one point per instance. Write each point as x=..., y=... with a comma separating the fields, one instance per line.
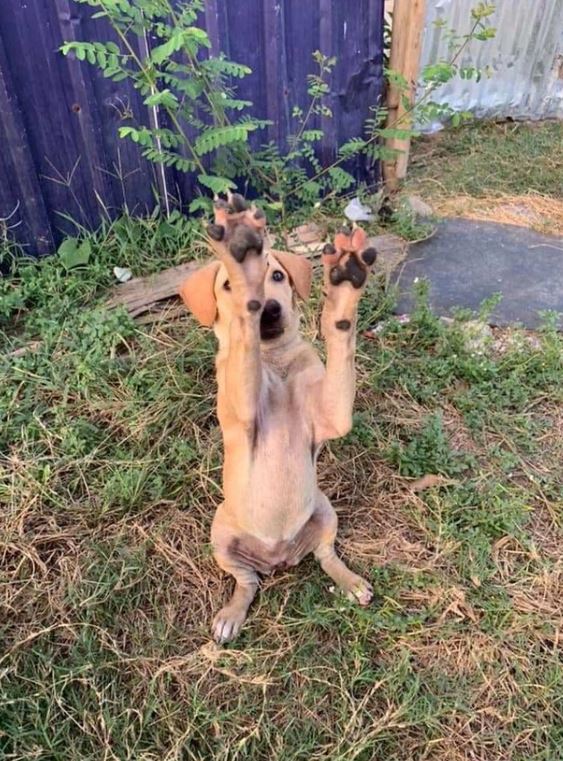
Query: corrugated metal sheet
x=60, y=154
x=525, y=57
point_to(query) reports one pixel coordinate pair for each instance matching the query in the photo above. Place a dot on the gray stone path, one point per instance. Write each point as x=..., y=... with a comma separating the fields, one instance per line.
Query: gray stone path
x=467, y=261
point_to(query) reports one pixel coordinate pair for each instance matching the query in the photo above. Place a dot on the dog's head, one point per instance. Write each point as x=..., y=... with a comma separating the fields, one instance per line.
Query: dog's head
x=207, y=294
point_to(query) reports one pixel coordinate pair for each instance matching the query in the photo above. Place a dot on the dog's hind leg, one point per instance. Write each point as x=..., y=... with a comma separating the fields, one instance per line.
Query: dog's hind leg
x=228, y=622
x=355, y=587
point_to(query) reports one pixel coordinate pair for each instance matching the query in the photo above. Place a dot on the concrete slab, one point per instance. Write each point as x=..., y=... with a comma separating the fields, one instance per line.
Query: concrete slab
x=468, y=261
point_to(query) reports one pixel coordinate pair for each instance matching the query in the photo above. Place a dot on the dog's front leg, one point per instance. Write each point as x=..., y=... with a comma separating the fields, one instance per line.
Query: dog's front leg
x=346, y=268
x=237, y=239
x=242, y=375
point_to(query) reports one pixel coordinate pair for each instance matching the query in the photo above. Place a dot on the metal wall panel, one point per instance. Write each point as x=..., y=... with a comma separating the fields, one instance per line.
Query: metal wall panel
x=61, y=156
x=526, y=58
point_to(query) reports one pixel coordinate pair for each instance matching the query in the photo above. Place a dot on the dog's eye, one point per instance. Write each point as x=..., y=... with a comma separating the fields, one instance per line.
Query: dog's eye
x=278, y=276
x=227, y=285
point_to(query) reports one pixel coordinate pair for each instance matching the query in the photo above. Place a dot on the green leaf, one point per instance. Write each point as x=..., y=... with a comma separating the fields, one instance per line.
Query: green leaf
x=311, y=189
x=312, y=135
x=340, y=179
x=398, y=134
x=72, y=254
x=352, y=147
x=199, y=35
x=142, y=136
x=482, y=10
x=201, y=203
x=222, y=66
x=162, y=52
x=215, y=137
x=164, y=98
x=216, y=184
x=439, y=72
x=485, y=34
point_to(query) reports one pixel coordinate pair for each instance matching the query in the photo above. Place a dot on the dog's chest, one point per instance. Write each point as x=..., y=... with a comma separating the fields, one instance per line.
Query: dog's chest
x=282, y=419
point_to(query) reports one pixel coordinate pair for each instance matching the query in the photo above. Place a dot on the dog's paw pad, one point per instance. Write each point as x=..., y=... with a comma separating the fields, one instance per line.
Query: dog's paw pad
x=216, y=232
x=239, y=203
x=244, y=241
x=352, y=271
x=343, y=324
x=348, y=259
x=369, y=256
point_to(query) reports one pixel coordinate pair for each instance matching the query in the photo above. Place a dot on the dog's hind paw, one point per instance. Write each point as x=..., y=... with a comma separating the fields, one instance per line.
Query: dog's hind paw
x=227, y=624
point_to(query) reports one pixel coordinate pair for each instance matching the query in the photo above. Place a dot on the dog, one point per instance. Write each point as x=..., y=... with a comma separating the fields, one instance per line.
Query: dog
x=276, y=402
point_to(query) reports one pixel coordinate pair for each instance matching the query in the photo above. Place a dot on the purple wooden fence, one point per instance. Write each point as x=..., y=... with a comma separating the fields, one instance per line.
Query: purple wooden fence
x=61, y=158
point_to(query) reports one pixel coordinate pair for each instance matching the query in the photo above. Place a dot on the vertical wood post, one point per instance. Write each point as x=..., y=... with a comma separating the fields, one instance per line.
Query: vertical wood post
x=406, y=37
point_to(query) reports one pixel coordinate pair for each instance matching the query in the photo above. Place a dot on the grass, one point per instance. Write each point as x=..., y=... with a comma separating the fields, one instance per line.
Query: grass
x=109, y=476
x=507, y=172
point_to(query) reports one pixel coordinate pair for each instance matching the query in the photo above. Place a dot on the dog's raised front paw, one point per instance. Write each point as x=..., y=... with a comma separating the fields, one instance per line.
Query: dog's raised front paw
x=237, y=238
x=238, y=228
x=348, y=260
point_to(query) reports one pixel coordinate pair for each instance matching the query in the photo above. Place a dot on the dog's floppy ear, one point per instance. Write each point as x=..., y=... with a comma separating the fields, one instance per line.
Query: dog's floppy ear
x=300, y=271
x=198, y=294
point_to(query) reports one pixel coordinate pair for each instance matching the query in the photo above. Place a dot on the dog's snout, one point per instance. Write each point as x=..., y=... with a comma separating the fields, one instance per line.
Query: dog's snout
x=272, y=309
x=271, y=324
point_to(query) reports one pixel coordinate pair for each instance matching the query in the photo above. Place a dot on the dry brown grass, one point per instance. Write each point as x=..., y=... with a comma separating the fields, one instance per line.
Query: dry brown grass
x=541, y=213
x=508, y=173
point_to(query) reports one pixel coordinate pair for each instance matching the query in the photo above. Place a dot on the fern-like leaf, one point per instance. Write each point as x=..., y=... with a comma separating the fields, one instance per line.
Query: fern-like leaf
x=217, y=185
x=217, y=137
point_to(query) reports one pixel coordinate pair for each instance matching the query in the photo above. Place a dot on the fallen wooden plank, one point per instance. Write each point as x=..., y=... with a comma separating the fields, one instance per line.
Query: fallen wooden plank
x=141, y=293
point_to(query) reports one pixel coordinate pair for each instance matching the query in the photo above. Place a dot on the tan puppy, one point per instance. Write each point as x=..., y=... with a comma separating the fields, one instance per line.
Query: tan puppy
x=277, y=403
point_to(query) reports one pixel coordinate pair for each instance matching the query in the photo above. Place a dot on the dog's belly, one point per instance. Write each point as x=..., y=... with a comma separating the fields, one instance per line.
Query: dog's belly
x=271, y=484
x=266, y=558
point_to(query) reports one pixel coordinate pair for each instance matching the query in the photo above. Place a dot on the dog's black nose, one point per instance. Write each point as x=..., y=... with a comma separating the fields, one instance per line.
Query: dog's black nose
x=272, y=309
